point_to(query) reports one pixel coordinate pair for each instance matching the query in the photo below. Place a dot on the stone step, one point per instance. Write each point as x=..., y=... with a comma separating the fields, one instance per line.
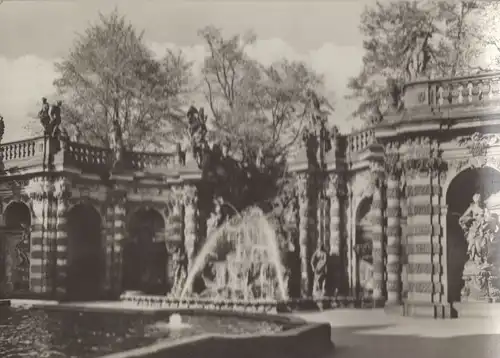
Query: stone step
x=477, y=309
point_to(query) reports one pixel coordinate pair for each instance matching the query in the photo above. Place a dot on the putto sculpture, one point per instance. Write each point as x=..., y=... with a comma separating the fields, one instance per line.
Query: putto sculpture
x=197, y=132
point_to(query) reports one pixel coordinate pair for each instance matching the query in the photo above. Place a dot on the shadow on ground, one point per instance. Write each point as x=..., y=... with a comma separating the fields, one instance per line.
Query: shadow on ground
x=351, y=342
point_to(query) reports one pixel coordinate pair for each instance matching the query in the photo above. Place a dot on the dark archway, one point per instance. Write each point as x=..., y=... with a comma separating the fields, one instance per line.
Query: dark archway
x=363, y=247
x=15, y=248
x=145, y=253
x=484, y=181
x=86, y=259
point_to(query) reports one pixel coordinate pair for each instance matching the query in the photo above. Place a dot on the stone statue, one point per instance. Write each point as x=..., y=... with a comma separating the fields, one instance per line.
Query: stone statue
x=44, y=116
x=474, y=222
x=55, y=119
x=419, y=55
x=395, y=94
x=2, y=128
x=23, y=258
x=180, y=264
x=481, y=229
x=319, y=263
x=197, y=131
x=215, y=217
x=117, y=143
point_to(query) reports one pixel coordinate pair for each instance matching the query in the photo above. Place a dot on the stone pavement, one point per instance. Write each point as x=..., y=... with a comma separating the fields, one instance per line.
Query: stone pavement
x=374, y=334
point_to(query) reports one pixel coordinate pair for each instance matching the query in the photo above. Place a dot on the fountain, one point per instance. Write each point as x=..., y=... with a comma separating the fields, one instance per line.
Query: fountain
x=240, y=261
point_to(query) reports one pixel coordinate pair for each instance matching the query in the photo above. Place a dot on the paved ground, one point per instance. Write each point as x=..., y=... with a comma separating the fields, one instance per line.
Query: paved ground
x=374, y=334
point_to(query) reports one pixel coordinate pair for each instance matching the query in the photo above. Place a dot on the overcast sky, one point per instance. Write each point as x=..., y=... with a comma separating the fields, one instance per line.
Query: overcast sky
x=34, y=34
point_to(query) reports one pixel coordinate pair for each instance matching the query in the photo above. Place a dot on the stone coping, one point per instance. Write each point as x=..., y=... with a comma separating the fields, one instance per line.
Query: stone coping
x=308, y=303
x=299, y=339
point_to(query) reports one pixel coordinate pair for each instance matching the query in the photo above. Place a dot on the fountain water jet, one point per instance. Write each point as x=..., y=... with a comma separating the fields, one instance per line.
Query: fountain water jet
x=254, y=253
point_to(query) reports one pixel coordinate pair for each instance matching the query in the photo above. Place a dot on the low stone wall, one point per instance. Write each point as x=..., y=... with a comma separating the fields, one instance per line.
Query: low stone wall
x=299, y=339
x=306, y=341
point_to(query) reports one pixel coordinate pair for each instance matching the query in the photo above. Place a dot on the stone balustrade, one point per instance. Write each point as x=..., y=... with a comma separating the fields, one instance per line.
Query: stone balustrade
x=150, y=160
x=23, y=149
x=79, y=154
x=35, y=152
x=360, y=140
x=457, y=91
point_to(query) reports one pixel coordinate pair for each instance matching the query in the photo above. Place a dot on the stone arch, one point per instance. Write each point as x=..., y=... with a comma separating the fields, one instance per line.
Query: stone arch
x=145, y=252
x=458, y=192
x=17, y=213
x=467, y=167
x=363, y=246
x=15, y=248
x=86, y=256
x=96, y=205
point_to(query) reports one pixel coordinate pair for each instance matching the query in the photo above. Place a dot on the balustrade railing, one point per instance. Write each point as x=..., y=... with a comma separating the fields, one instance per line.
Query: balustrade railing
x=149, y=160
x=360, y=140
x=23, y=149
x=474, y=89
x=81, y=155
x=85, y=155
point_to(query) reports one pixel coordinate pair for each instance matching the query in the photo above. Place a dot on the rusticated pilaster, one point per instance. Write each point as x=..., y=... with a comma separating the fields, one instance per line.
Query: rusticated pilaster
x=393, y=249
x=305, y=271
x=62, y=192
x=377, y=215
x=334, y=213
x=38, y=190
x=116, y=216
x=190, y=201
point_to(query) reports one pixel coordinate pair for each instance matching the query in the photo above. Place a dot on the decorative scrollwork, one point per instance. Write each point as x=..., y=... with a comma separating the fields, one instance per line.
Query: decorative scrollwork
x=478, y=144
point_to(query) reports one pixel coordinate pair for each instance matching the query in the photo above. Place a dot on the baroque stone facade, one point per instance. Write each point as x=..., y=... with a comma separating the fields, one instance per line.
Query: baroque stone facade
x=384, y=205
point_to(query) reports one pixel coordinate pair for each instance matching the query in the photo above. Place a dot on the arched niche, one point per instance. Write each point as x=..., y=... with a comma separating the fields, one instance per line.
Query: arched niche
x=363, y=247
x=484, y=181
x=145, y=253
x=86, y=256
x=15, y=248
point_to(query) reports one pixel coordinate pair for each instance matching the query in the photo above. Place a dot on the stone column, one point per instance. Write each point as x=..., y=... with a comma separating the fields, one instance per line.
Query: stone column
x=62, y=192
x=115, y=227
x=38, y=190
x=190, y=223
x=393, y=237
x=377, y=216
x=334, y=225
x=422, y=230
x=305, y=270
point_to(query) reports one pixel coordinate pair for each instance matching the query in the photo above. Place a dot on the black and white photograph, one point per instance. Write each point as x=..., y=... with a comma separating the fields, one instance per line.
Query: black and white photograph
x=249, y=178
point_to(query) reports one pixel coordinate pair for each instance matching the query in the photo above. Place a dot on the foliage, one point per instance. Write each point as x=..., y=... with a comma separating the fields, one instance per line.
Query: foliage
x=405, y=40
x=260, y=110
x=488, y=33
x=110, y=74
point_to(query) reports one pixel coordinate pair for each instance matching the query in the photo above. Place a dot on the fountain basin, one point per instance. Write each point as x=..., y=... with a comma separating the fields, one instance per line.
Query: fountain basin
x=70, y=330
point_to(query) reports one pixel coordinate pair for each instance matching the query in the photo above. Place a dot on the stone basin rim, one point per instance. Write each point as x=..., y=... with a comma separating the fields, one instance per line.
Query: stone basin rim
x=298, y=327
